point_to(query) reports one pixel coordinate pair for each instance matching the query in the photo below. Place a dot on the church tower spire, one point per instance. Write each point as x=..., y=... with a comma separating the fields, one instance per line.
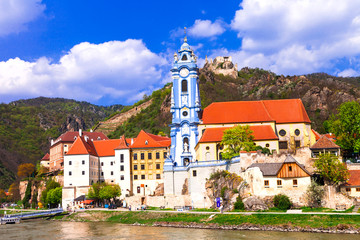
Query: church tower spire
x=185, y=107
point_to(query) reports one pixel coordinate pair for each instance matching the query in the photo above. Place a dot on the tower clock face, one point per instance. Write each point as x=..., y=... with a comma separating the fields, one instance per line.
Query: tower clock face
x=184, y=72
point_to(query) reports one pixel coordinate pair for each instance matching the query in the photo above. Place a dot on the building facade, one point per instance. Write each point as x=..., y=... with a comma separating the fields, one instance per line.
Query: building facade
x=185, y=106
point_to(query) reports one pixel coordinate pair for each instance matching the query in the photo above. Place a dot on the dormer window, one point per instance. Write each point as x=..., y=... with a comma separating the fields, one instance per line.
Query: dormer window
x=184, y=87
x=184, y=58
x=146, y=142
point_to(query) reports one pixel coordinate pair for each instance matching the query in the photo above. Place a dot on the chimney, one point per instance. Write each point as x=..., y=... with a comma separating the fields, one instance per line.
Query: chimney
x=80, y=132
x=91, y=130
x=86, y=138
x=52, y=142
x=132, y=141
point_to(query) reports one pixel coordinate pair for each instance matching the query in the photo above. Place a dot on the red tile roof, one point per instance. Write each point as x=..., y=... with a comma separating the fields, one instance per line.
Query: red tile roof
x=260, y=133
x=324, y=143
x=82, y=146
x=317, y=135
x=147, y=140
x=354, y=179
x=279, y=111
x=123, y=143
x=46, y=157
x=70, y=136
x=106, y=147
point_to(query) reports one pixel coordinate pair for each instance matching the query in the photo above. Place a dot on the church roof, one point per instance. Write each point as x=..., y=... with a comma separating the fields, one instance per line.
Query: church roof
x=324, y=143
x=82, y=145
x=260, y=133
x=279, y=111
x=106, y=147
x=147, y=140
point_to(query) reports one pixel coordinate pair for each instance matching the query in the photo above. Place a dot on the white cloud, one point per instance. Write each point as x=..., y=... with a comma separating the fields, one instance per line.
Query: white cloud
x=348, y=73
x=298, y=36
x=117, y=70
x=205, y=28
x=15, y=14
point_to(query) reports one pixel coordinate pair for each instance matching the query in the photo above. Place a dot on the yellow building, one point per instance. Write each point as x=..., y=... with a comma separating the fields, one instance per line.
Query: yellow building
x=279, y=125
x=148, y=153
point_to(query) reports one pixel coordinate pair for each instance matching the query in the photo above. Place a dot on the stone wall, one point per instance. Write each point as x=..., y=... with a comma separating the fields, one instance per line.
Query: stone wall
x=334, y=199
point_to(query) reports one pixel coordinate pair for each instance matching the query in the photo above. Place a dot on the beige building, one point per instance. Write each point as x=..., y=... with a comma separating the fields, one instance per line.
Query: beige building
x=269, y=179
x=352, y=187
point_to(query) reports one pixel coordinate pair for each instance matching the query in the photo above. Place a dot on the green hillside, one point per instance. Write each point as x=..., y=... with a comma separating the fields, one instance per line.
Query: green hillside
x=26, y=127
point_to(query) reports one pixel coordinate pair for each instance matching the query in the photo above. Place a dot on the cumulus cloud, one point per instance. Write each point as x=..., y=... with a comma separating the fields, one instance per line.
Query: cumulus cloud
x=117, y=70
x=298, y=36
x=15, y=14
x=348, y=73
x=206, y=28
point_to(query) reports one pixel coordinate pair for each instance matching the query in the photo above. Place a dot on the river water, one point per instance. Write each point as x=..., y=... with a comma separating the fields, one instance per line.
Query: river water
x=43, y=229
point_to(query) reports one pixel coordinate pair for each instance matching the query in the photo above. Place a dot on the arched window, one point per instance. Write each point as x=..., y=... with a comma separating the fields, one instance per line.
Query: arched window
x=184, y=86
x=184, y=58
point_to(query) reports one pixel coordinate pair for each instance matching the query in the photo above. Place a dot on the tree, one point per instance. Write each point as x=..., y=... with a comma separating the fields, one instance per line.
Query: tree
x=346, y=126
x=331, y=169
x=51, y=184
x=109, y=191
x=14, y=193
x=314, y=194
x=2, y=196
x=27, y=195
x=25, y=170
x=237, y=139
x=53, y=197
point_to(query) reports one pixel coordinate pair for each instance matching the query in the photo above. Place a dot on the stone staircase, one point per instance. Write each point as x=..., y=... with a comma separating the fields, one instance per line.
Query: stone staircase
x=111, y=124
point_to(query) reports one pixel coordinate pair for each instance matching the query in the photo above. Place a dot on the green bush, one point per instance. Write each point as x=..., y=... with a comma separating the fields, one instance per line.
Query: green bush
x=282, y=201
x=239, y=205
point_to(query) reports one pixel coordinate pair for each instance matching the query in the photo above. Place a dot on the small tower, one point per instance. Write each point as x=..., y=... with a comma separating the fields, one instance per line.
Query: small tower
x=185, y=108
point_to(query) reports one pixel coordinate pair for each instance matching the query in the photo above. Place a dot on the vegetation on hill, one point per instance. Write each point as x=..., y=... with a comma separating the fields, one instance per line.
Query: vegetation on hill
x=154, y=119
x=320, y=93
x=26, y=127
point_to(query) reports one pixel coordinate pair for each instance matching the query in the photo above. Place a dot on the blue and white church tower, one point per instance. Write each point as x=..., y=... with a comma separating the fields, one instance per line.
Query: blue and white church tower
x=185, y=107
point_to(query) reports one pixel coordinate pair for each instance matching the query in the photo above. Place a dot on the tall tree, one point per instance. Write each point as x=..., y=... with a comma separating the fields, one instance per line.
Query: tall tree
x=54, y=196
x=237, y=139
x=14, y=192
x=331, y=169
x=346, y=126
x=25, y=170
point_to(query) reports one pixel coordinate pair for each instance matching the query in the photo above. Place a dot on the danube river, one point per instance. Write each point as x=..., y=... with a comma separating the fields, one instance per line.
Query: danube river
x=42, y=229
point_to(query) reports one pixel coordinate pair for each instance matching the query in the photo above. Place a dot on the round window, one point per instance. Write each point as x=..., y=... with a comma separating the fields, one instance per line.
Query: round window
x=185, y=113
x=282, y=132
x=297, y=132
x=267, y=145
x=207, y=147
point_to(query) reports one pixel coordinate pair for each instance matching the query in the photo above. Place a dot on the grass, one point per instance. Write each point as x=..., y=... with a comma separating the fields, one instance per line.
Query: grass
x=204, y=210
x=284, y=220
x=321, y=209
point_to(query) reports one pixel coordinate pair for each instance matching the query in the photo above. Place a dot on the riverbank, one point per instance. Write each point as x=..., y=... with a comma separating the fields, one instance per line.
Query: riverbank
x=318, y=223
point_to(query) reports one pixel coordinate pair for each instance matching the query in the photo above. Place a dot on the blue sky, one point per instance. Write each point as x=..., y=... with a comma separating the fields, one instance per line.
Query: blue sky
x=113, y=52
